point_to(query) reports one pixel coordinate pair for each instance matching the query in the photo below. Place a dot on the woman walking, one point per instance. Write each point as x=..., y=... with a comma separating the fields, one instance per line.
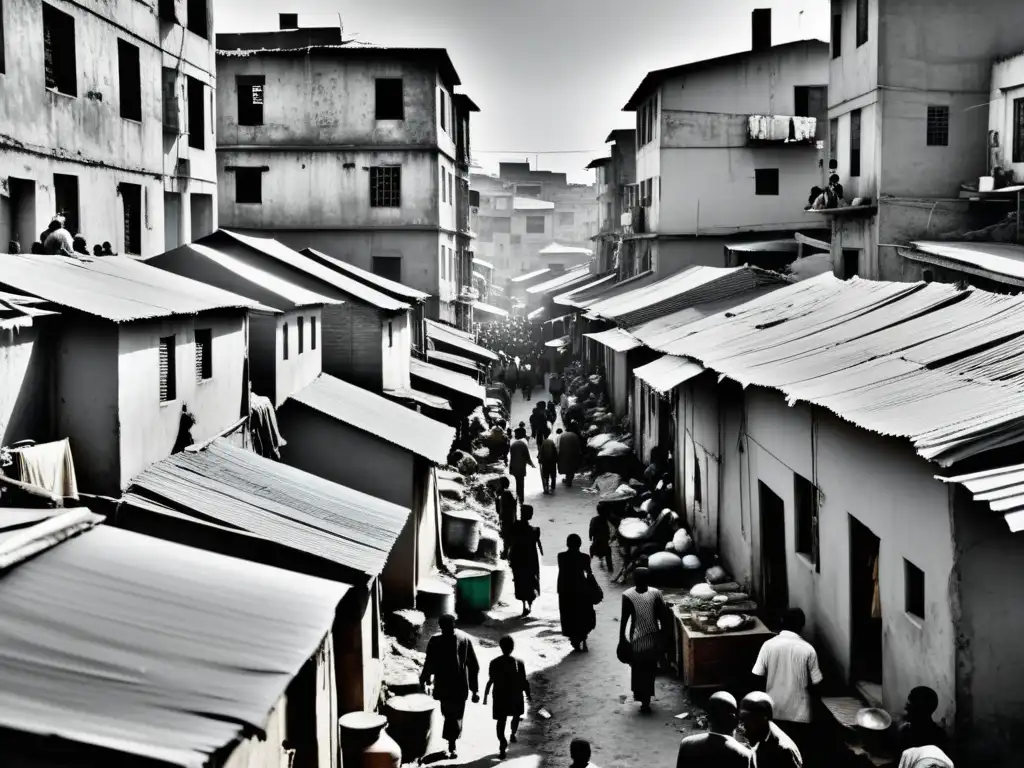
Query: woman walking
x=518, y=460
x=507, y=675
x=642, y=608
x=524, y=559
x=600, y=541
x=576, y=594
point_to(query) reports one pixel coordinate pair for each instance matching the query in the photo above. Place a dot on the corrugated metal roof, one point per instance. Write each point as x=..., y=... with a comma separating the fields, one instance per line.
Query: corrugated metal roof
x=1001, y=488
x=379, y=416
x=568, y=250
x=765, y=246
x=531, y=204
x=941, y=367
x=530, y=275
x=562, y=341
x=277, y=502
x=668, y=372
x=442, y=334
x=456, y=382
x=992, y=259
x=414, y=395
x=113, y=287
x=463, y=363
x=562, y=280
x=615, y=339
x=536, y=314
x=570, y=298
x=482, y=263
x=489, y=309
x=303, y=263
x=150, y=648
x=389, y=287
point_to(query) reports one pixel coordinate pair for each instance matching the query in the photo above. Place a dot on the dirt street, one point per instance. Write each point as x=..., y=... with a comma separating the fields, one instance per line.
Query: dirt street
x=587, y=694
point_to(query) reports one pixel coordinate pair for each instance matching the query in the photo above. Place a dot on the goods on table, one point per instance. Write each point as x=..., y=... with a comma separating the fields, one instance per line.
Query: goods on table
x=665, y=567
x=702, y=590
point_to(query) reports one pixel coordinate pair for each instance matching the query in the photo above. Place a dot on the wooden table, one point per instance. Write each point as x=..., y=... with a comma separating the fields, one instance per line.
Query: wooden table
x=715, y=661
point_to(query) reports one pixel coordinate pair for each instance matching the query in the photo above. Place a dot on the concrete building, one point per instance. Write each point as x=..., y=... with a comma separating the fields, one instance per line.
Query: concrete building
x=724, y=147
x=106, y=116
x=908, y=124
x=372, y=170
x=616, y=183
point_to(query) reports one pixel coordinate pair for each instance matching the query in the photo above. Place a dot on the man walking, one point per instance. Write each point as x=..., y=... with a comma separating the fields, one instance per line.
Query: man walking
x=717, y=748
x=452, y=666
x=518, y=460
x=772, y=748
x=507, y=675
x=788, y=665
x=570, y=455
x=547, y=454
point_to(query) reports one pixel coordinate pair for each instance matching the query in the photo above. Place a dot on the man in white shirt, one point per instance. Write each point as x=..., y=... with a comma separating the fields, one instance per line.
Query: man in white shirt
x=789, y=666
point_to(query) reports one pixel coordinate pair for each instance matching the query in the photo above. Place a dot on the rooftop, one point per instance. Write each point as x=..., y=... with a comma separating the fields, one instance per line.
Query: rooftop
x=562, y=280
x=556, y=249
x=438, y=333
x=382, y=284
x=532, y=204
x=1002, y=262
x=530, y=275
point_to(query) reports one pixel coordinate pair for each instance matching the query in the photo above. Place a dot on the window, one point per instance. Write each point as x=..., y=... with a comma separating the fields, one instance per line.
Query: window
x=535, y=225
x=566, y=219
x=249, y=185
x=938, y=126
x=391, y=333
x=442, y=265
x=129, y=80
x=312, y=333
x=389, y=267
x=833, y=139
x=197, y=18
x=444, y=110
x=913, y=583
x=811, y=101
x=528, y=190
x=855, y=143
x=284, y=341
x=1018, y=130
x=806, y=497
x=386, y=186
x=837, y=35
x=65, y=190
x=131, y=201
x=250, y=99
x=168, y=388
x=851, y=262
x=302, y=334
x=444, y=186
x=166, y=11
x=61, y=71
x=766, y=181
x=451, y=183
x=204, y=354
x=862, y=22
x=390, y=104
x=196, y=113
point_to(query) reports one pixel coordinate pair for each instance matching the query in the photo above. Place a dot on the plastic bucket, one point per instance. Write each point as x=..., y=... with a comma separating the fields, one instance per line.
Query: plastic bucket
x=474, y=590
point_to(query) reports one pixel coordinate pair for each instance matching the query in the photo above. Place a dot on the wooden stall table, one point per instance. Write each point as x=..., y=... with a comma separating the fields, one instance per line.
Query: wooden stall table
x=716, y=661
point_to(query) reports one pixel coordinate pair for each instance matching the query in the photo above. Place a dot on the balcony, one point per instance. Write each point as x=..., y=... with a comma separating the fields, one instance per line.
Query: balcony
x=468, y=294
x=634, y=220
x=771, y=130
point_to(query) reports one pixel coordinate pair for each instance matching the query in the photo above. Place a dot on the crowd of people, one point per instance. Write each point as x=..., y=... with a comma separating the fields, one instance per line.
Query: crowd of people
x=56, y=240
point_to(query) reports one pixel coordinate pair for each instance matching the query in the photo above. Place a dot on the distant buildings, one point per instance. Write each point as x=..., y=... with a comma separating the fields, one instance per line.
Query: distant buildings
x=616, y=184
x=357, y=151
x=108, y=119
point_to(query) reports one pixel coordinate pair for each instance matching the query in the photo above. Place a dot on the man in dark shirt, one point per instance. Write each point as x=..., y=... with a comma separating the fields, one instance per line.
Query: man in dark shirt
x=451, y=666
x=772, y=748
x=717, y=748
x=918, y=729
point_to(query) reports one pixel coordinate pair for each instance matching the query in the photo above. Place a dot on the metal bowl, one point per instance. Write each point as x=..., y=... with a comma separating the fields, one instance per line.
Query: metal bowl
x=873, y=719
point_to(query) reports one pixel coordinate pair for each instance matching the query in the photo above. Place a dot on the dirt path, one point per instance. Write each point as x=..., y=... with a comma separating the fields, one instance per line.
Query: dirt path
x=587, y=693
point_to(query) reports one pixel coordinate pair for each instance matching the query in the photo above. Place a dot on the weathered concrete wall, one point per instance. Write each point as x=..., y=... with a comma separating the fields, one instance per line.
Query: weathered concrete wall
x=1007, y=86
x=396, y=341
x=27, y=376
x=671, y=256
x=856, y=72
x=303, y=366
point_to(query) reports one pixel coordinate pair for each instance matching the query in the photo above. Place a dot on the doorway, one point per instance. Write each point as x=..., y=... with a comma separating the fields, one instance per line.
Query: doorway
x=774, y=579
x=865, y=606
x=20, y=214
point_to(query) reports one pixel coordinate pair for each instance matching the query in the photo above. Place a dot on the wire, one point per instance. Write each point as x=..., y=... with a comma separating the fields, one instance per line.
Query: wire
x=546, y=152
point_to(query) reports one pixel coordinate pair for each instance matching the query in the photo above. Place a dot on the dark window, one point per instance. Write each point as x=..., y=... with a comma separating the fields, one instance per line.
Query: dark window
x=65, y=190
x=59, y=51
x=833, y=139
x=386, y=186
x=837, y=35
x=913, y=582
x=168, y=384
x=389, y=267
x=131, y=200
x=766, y=181
x=444, y=186
x=444, y=110
x=196, y=113
x=806, y=497
x=698, y=486
x=938, y=126
x=535, y=225
x=855, y=143
x=169, y=79
x=198, y=21
x=3, y=45
x=390, y=104
x=204, y=354
x=249, y=185
x=129, y=80
x=862, y=22
x=474, y=198
x=312, y=333
x=1018, y=130
x=284, y=341
x=250, y=99
x=302, y=334
x=451, y=185
x=166, y=11
x=812, y=101
x=851, y=262
x=391, y=334
x=528, y=190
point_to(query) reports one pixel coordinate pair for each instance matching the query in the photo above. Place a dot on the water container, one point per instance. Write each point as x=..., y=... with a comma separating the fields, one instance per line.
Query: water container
x=410, y=724
x=474, y=590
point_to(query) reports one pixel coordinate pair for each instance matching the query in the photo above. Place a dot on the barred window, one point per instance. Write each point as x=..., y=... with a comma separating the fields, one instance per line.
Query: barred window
x=386, y=186
x=938, y=126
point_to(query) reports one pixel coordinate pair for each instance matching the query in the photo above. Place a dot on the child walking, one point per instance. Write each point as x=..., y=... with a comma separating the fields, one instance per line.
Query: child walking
x=507, y=675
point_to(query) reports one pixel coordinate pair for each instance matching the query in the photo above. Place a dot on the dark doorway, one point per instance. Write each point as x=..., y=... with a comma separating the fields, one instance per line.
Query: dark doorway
x=851, y=262
x=23, y=212
x=65, y=191
x=774, y=579
x=865, y=610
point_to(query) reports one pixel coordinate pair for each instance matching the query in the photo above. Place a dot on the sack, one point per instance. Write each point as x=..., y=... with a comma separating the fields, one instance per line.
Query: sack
x=596, y=593
x=624, y=652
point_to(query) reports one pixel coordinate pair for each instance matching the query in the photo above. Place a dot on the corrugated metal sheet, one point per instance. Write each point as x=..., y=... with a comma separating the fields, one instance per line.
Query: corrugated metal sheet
x=389, y=287
x=562, y=341
x=413, y=395
x=941, y=367
x=374, y=414
x=766, y=246
x=280, y=252
x=615, y=339
x=489, y=309
x=562, y=281
x=557, y=249
x=456, y=382
x=151, y=648
x=462, y=363
x=668, y=372
x=277, y=502
x=536, y=314
x=1002, y=259
x=580, y=293
x=113, y=287
x=530, y=275
x=1001, y=488
x=458, y=340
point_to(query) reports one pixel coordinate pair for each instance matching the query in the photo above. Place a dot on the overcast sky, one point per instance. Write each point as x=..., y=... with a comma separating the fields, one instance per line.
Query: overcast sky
x=549, y=75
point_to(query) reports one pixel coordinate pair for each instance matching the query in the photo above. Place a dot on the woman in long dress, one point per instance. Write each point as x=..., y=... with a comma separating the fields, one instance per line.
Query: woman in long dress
x=524, y=559
x=575, y=599
x=642, y=609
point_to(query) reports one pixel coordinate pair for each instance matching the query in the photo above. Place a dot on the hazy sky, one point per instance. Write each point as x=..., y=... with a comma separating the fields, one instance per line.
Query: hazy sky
x=548, y=75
